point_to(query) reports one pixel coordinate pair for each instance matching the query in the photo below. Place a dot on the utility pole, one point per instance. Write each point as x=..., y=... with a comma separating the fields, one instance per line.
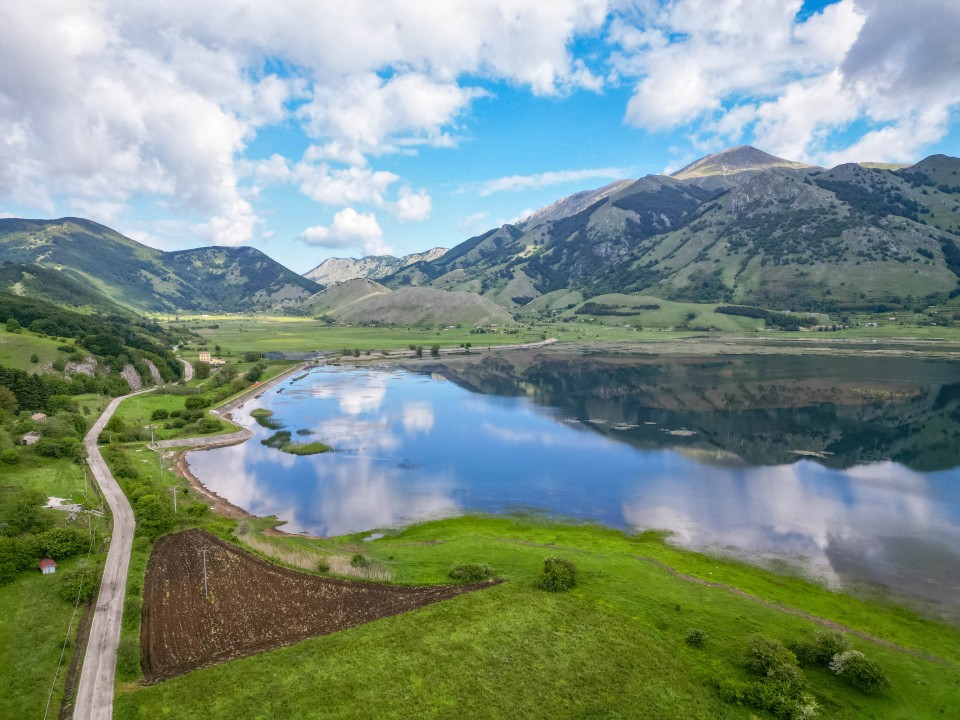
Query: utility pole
x=174, y=488
x=203, y=551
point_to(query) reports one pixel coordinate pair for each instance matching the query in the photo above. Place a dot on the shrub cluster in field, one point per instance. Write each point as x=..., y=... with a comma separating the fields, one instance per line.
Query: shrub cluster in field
x=470, y=572
x=558, y=575
x=779, y=685
x=150, y=500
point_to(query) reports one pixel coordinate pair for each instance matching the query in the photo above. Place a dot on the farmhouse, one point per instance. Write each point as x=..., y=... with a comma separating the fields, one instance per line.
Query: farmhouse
x=30, y=438
x=48, y=566
x=204, y=356
x=38, y=417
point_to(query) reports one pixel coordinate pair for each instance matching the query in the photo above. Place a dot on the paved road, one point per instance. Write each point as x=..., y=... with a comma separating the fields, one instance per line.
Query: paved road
x=187, y=370
x=95, y=694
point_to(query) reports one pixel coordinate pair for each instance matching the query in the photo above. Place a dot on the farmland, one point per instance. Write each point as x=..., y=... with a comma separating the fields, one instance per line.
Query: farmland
x=251, y=605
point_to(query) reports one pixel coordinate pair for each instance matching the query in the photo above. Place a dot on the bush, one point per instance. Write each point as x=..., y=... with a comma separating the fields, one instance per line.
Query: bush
x=131, y=611
x=159, y=414
x=471, y=572
x=359, y=561
x=83, y=580
x=766, y=654
x=323, y=564
x=860, y=671
x=196, y=402
x=128, y=658
x=62, y=542
x=34, y=358
x=558, y=575
x=696, y=638
x=826, y=644
x=208, y=425
x=10, y=456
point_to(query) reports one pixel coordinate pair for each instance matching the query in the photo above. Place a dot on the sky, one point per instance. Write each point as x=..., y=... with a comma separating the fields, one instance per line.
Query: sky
x=319, y=128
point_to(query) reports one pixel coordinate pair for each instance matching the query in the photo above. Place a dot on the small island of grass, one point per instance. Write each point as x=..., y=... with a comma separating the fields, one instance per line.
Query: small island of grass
x=263, y=418
x=282, y=441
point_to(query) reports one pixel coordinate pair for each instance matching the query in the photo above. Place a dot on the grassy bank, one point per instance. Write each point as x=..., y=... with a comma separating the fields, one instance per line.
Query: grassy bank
x=614, y=646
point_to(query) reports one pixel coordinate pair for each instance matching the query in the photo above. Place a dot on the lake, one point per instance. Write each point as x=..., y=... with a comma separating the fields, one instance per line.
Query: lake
x=844, y=469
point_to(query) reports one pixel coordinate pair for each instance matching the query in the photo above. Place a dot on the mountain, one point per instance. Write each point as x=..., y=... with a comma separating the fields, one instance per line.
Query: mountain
x=366, y=302
x=334, y=270
x=739, y=227
x=736, y=160
x=126, y=273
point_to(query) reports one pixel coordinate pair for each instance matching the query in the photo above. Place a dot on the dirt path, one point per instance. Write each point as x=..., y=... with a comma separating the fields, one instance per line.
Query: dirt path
x=95, y=693
x=793, y=611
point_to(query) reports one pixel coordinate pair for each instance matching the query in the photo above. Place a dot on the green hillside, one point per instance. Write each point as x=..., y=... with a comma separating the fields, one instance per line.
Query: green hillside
x=739, y=227
x=367, y=302
x=124, y=272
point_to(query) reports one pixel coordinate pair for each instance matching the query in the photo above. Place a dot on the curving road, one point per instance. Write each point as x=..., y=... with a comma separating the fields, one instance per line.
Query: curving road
x=95, y=693
x=187, y=371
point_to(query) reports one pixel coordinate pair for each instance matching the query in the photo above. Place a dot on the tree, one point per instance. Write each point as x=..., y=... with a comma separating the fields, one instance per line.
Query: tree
x=8, y=401
x=419, y=350
x=201, y=370
x=154, y=516
x=12, y=325
x=435, y=350
x=34, y=358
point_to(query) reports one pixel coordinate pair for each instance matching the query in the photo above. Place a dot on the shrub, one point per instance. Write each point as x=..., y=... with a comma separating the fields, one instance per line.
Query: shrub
x=323, y=564
x=558, y=575
x=159, y=414
x=766, y=654
x=131, y=611
x=34, y=358
x=471, y=572
x=10, y=456
x=359, y=561
x=826, y=644
x=860, y=671
x=196, y=402
x=696, y=638
x=128, y=658
x=82, y=580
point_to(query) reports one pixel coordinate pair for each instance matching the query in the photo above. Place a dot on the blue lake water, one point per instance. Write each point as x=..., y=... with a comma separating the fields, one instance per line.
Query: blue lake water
x=855, y=482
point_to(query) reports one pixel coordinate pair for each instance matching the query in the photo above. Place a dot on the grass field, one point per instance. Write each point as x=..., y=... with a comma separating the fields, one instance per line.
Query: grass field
x=33, y=618
x=612, y=647
x=17, y=348
x=279, y=334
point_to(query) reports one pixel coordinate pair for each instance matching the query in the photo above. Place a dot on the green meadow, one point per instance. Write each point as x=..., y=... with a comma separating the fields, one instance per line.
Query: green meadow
x=615, y=646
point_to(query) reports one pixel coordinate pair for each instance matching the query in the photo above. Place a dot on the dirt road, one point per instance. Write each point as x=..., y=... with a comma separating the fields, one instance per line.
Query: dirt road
x=95, y=693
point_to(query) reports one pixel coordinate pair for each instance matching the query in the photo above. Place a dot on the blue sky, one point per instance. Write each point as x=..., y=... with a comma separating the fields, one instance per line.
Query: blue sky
x=315, y=129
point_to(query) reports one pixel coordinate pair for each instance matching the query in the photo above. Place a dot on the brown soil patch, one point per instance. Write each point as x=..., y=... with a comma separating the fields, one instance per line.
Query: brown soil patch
x=252, y=605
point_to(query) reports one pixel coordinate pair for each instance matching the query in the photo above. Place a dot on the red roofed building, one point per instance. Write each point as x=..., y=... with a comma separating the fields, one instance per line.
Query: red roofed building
x=48, y=566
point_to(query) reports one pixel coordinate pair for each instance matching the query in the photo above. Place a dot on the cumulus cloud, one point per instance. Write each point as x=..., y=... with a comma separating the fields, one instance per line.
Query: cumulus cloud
x=538, y=180
x=348, y=229
x=731, y=70
x=103, y=102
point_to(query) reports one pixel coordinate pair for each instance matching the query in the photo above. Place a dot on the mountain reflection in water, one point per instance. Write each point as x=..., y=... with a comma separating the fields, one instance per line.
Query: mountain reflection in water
x=843, y=467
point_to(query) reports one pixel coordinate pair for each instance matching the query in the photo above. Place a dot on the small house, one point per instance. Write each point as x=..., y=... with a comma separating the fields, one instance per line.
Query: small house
x=30, y=438
x=204, y=356
x=48, y=566
x=217, y=362
x=38, y=417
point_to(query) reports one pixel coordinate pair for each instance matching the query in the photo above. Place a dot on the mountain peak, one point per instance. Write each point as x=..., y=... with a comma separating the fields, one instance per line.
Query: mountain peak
x=734, y=160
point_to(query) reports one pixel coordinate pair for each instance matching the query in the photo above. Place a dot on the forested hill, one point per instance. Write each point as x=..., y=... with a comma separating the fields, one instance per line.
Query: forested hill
x=103, y=263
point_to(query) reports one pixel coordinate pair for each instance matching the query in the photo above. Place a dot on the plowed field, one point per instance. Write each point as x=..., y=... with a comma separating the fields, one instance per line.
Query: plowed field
x=252, y=605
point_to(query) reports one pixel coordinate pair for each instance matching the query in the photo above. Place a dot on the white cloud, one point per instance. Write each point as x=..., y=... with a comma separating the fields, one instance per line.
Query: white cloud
x=349, y=229
x=114, y=100
x=525, y=182
x=728, y=70
x=412, y=206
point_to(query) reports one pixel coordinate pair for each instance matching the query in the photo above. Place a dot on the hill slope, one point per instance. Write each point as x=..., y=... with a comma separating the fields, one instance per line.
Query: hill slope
x=367, y=302
x=374, y=267
x=761, y=231
x=142, y=278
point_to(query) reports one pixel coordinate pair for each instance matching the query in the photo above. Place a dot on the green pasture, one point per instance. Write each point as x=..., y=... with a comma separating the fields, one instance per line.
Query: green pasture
x=16, y=350
x=613, y=647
